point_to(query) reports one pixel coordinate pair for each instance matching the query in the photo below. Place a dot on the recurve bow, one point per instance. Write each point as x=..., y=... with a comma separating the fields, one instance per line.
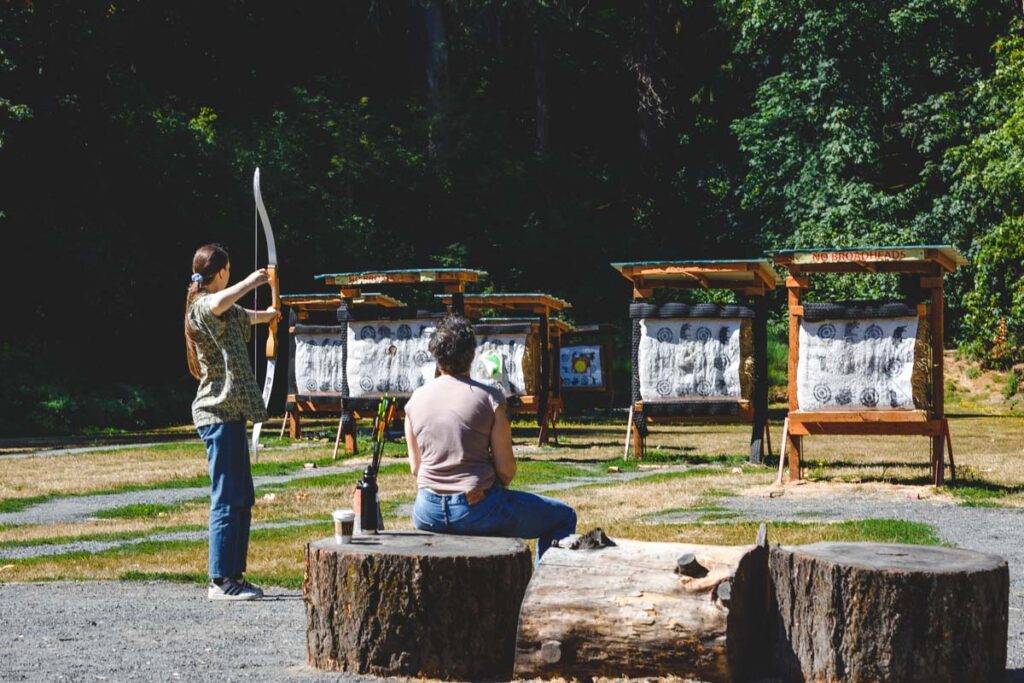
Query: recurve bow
x=268, y=382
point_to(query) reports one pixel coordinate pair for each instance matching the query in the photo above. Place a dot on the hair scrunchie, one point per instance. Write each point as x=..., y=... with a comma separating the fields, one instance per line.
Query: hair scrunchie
x=197, y=277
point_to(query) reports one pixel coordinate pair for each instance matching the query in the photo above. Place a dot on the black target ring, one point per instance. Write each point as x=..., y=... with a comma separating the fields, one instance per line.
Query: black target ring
x=869, y=397
x=873, y=332
x=664, y=387
x=703, y=334
x=703, y=387
x=822, y=393
x=367, y=332
x=665, y=335
x=827, y=331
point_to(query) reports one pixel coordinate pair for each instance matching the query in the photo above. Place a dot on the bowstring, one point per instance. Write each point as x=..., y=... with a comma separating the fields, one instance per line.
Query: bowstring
x=256, y=291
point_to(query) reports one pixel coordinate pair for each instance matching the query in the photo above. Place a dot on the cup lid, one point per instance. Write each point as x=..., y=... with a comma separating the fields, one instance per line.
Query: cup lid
x=344, y=515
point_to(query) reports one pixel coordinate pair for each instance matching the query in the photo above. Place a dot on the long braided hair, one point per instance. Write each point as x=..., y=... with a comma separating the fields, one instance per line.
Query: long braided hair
x=209, y=260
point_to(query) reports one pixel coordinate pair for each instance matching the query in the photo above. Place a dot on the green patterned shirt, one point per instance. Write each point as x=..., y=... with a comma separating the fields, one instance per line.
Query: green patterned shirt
x=227, y=389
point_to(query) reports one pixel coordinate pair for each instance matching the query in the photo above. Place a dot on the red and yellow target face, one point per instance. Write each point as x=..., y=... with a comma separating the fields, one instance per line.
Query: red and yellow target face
x=580, y=364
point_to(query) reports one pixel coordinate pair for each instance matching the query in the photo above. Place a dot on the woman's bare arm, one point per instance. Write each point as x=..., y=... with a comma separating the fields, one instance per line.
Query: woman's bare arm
x=226, y=298
x=501, y=447
x=415, y=455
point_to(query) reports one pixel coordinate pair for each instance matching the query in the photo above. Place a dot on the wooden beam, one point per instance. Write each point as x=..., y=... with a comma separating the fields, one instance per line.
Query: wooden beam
x=868, y=416
x=942, y=259
x=796, y=310
x=798, y=281
x=931, y=282
x=932, y=428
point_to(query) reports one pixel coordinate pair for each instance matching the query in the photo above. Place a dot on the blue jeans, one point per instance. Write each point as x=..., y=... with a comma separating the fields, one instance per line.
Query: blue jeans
x=232, y=496
x=501, y=513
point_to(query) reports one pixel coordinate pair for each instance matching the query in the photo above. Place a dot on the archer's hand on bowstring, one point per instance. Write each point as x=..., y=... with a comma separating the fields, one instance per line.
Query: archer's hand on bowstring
x=271, y=314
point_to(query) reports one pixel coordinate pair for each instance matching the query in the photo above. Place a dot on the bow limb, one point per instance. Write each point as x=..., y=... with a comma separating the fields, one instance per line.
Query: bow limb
x=268, y=383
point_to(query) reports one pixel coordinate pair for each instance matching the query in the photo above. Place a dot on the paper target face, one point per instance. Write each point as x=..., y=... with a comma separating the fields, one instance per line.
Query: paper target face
x=386, y=357
x=702, y=360
x=580, y=366
x=868, y=367
x=317, y=363
x=498, y=362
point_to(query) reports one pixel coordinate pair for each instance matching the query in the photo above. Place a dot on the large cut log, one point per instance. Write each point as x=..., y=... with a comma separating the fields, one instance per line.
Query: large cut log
x=415, y=604
x=887, y=612
x=646, y=609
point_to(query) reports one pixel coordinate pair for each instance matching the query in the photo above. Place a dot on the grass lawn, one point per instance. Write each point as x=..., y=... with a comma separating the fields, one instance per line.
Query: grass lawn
x=691, y=468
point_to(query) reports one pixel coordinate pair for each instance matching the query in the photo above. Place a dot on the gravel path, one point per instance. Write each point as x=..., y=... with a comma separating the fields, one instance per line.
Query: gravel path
x=991, y=530
x=24, y=552
x=77, y=508
x=150, y=631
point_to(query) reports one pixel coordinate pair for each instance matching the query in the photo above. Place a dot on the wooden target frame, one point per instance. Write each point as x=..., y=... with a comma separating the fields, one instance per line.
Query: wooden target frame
x=540, y=307
x=346, y=305
x=750, y=278
x=930, y=263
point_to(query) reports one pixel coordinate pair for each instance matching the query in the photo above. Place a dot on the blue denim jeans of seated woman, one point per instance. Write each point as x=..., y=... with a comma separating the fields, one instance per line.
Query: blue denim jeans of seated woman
x=231, y=496
x=514, y=514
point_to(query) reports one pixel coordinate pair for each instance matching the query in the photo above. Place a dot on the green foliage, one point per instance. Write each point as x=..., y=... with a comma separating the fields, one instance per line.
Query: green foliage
x=672, y=130
x=1011, y=385
x=983, y=210
x=138, y=511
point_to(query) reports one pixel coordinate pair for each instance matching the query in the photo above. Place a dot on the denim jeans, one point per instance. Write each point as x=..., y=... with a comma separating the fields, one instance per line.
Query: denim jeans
x=231, y=496
x=501, y=513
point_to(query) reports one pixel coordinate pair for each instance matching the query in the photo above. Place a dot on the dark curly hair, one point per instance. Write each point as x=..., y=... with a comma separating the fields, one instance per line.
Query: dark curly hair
x=453, y=344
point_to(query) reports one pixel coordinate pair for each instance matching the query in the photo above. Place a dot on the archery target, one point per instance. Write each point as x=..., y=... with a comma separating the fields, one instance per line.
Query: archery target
x=580, y=367
x=389, y=356
x=689, y=359
x=856, y=364
x=317, y=361
x=499, y=362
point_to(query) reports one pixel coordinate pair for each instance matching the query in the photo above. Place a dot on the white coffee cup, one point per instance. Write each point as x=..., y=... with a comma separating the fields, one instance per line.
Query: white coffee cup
x=344, y=521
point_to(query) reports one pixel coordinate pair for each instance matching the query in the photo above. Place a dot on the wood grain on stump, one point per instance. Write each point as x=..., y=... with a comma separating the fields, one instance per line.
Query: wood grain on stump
x=415, y=604
x=643, y=609
x=887, y=612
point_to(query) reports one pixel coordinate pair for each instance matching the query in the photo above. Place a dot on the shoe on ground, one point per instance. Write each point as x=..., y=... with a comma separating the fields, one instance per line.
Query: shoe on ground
x=234, y=590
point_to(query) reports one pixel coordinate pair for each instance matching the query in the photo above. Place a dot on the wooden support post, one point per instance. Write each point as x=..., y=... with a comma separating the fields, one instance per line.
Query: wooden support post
x=938, y=379
x=638, y=442
x=794, y=285
x=795, y=442
x=350, y=438
x=294, y=425
x=760, y=402
x=545, y=379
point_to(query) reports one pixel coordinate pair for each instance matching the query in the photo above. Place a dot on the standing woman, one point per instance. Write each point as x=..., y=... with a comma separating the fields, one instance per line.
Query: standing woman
x=216, y=332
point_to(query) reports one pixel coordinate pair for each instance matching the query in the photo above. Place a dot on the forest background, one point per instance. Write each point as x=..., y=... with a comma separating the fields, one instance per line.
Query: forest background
x=536, y=140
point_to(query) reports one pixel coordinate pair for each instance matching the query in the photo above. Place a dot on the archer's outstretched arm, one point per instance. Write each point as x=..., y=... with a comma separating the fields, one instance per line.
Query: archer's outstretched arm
x=221, y=301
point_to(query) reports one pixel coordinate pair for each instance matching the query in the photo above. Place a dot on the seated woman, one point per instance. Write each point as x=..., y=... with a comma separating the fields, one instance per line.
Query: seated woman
x=460, y=451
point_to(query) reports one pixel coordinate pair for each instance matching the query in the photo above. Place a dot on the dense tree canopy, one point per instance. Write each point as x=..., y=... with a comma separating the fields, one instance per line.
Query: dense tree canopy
x=536, y=140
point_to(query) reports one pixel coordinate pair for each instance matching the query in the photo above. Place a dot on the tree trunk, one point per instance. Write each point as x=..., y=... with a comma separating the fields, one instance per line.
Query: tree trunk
x=887, y=612
x=437, y=76
x=649, y=102
x=540, y=81
x=415, y=604
x=625, y=611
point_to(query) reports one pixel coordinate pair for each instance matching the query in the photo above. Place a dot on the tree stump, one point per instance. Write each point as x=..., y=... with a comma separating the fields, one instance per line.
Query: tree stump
x=887, y=612
x=415, y=604
x=646, y=609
